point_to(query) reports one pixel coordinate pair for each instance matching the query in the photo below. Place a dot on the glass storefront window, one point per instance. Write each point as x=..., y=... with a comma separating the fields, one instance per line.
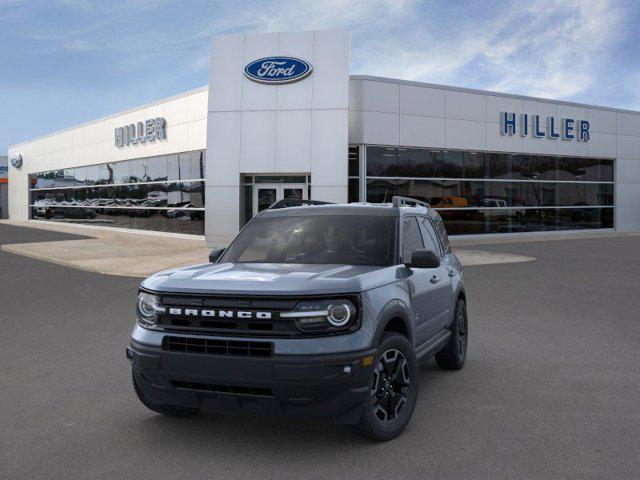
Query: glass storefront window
x=138, y=171
x=139, y=194
x=478, y=192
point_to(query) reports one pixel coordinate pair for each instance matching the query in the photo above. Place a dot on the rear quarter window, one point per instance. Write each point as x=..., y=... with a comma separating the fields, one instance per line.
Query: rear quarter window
x=442, y=233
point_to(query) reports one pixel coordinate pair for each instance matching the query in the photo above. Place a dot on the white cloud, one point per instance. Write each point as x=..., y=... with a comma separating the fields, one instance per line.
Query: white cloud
x=545, y=49
x=540, y=48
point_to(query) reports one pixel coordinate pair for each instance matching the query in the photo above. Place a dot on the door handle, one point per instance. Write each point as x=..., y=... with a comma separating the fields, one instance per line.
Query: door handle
x=435, y=279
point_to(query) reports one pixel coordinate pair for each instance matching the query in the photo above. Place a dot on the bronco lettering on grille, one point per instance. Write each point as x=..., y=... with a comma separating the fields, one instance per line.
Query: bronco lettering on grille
x=241, y=314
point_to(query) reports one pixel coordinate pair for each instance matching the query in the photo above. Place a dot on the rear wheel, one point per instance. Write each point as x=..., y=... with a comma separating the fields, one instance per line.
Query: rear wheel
x=453, y=356
x=170, y=410
x=393, y=390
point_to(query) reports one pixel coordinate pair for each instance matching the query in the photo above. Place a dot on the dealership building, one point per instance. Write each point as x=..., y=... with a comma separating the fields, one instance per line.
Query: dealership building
x=283, y=118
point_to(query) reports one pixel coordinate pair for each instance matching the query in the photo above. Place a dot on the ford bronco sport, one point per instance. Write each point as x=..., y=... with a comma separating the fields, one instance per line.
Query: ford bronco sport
x=319, y=310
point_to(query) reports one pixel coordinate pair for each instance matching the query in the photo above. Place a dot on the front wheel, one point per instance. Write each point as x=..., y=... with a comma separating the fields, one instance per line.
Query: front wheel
x=454, y=354
x=393, y=390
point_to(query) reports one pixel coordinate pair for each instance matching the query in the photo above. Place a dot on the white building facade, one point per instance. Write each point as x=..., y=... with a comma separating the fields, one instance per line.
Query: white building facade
x=282, y=118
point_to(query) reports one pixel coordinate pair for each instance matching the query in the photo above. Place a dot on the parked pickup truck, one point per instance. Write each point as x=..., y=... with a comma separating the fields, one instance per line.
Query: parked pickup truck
x=314, y=310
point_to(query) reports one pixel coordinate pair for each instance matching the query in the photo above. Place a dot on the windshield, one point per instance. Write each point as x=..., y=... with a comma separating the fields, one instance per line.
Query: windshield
x=318, y=239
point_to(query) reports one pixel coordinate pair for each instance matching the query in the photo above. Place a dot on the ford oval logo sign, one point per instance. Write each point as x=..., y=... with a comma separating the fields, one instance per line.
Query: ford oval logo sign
x=278, y=70
x=16, y=160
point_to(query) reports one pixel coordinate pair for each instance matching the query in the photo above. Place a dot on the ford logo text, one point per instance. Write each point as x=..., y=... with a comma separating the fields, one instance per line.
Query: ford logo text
x=278, y=70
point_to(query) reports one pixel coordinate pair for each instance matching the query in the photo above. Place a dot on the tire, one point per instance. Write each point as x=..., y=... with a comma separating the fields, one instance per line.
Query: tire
x=454, y=354
x=393, y=390
x=169, y=410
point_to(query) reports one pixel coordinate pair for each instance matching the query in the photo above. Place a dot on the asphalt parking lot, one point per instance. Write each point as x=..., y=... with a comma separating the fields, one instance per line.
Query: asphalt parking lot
x=551, y=389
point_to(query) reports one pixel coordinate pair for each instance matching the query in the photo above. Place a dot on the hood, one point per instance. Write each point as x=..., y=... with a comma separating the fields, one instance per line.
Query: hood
x=271, y=279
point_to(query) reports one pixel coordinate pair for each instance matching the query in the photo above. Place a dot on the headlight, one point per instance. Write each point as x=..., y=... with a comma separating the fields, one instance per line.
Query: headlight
x=323, y=316
x=147, y=309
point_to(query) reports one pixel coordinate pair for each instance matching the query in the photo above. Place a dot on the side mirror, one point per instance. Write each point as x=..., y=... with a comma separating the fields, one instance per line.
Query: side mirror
x=424, y=259
x=215, y=254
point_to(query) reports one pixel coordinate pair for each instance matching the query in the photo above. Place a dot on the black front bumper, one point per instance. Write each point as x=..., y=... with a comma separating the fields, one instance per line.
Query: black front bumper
x=309, y=386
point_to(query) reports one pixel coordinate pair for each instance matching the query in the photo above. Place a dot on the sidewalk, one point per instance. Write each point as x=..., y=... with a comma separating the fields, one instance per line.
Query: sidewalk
x=137, y=253
x=112, y=251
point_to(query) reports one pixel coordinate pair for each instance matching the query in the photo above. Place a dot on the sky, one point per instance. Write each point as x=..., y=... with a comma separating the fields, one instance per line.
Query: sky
x=66, y=62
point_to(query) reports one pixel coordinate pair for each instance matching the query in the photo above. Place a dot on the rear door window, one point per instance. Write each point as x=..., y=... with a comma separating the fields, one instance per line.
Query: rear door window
x=442, y=233
x=411, y=238
x=431, y=241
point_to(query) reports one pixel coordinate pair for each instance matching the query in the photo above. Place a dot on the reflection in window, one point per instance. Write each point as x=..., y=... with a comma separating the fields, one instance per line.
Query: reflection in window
x=501, y=192
x=130, y=193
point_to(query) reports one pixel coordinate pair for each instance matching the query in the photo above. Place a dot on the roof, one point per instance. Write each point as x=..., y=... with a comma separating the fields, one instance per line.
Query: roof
x=488, y=92
x=372, y=209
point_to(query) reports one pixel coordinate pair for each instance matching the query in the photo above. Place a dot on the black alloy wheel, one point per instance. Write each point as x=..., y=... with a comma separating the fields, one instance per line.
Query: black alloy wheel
x=391, y=384
x=393, y=390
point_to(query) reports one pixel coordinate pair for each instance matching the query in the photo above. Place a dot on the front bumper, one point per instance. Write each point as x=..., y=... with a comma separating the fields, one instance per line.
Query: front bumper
x=311, y=386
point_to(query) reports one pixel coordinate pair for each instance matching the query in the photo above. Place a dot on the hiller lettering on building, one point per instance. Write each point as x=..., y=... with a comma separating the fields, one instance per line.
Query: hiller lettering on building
x=525, y=124
x=147, y=131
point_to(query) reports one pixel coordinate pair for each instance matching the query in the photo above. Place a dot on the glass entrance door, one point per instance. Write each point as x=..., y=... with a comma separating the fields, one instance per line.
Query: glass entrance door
x=266, y=194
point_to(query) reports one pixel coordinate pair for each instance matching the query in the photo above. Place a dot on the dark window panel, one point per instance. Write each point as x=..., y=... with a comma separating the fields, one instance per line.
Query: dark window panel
x=381, y=191
x=138, y=171
x=584, y=218
x=121, y=172
x=197, y=165
x=606, y=171
x=280, y=179
x=452, y=164
x=196, y=194
x=178, y=194
x=80, y=176
x=92, y=175
x=529, y=220
x=537, y=167
x=354, y=161
x=173, y=167
x=58, y=178
x=382, y=161
x=498, y=165
x=414, y=162
x=156, y=195
x=157, y=169
x=475, y=165
x=80, y=197
x=105, y=174
x=69, y=178
x=45, y=180
x=246, y=203
x=353, y=194
x=184, y=166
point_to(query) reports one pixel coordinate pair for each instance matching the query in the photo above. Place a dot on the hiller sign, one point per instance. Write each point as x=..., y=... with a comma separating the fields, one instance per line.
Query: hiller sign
x=525, y=124
x=147, y=131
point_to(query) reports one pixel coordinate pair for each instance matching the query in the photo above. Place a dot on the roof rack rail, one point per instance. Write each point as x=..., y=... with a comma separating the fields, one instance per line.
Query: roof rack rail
x=407, y=201
x=295, y=202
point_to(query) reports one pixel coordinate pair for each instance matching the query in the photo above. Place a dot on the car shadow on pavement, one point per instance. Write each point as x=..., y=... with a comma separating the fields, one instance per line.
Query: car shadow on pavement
x=226, y=432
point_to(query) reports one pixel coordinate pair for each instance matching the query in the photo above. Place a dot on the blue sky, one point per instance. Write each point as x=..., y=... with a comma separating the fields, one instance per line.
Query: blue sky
x=70, y=61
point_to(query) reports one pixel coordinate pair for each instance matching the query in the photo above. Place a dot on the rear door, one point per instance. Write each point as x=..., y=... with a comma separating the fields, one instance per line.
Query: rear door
x=442, y=290
x=423, y=287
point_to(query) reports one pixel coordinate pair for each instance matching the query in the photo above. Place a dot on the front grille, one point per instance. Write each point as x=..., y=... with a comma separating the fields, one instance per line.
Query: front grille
x=271, y=327
x=264, y=312
x=209, y=346
x=228, y=389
